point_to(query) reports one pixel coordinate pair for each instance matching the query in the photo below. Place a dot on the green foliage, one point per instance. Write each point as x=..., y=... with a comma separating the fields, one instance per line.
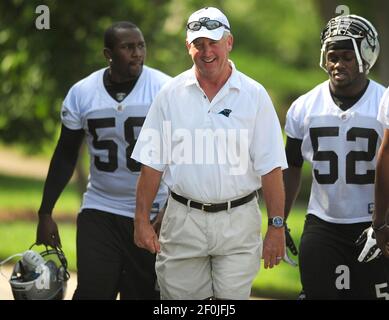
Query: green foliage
x=277, y=42
x=39, y=66
x=284, y=82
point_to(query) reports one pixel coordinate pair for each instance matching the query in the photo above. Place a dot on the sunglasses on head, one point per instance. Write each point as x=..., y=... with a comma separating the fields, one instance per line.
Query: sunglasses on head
x=209, y=24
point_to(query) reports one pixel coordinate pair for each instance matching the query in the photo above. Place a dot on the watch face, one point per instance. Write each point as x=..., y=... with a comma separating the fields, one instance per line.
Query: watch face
x=278, y=222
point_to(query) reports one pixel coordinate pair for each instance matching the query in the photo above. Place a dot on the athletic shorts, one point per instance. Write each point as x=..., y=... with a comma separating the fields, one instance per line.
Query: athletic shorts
x=329, y=265
x=108, y=261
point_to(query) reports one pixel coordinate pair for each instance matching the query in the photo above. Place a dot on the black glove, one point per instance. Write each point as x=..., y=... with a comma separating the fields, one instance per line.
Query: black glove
x=291, y=246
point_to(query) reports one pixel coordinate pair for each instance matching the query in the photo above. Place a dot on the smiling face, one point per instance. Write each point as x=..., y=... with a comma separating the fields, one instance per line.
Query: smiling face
x=211, y=57
x=342, y=68
x=128, y=54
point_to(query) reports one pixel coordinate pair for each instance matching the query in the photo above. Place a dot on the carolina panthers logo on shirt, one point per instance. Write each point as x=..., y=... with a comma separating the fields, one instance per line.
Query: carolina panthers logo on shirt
x=225, y=112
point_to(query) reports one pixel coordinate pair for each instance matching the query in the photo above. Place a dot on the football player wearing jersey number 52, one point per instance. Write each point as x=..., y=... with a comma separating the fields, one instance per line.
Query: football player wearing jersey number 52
x=108, y=107
x=334, y=127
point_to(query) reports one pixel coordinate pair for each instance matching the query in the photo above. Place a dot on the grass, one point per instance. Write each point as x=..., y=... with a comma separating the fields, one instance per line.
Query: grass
x=20, y=194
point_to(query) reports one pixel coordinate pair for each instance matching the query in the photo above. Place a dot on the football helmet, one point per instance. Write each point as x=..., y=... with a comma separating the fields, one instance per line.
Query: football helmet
x=39, y=276
x=361, y=32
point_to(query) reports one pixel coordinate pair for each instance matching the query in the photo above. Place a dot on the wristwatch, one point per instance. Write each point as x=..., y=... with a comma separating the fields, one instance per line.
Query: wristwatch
x=276, y=222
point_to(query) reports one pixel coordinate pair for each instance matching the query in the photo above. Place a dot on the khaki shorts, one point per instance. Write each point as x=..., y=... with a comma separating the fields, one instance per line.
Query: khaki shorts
x=209, y=254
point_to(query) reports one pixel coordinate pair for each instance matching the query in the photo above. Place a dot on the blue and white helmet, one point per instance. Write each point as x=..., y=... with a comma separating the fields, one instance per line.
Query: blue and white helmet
x=360, y=31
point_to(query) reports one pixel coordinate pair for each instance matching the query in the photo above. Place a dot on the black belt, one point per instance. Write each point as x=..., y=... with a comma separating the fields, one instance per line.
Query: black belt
x=210, y=207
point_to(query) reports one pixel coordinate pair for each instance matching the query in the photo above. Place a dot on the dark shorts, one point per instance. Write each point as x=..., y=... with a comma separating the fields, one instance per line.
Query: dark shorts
x=329, y=267
x=108, y=261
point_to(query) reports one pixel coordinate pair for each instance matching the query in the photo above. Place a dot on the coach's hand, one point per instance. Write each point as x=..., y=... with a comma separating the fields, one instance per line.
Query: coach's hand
x=47, y=232
x=273, y=247
x=157, y=221
x=291, y=246
x=370, y=250
x=145, y=236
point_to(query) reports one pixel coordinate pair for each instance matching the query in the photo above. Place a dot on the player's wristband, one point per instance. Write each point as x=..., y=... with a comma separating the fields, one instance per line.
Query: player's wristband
x=379, y=228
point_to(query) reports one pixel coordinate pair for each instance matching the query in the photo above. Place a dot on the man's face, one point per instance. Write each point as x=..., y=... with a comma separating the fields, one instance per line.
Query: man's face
x=210, y=56
x=342, y=68
x=128, y=53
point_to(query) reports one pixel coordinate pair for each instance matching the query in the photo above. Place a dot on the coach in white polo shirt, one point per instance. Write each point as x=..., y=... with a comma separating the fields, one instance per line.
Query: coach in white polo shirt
x=214, y=138
x=380, y=217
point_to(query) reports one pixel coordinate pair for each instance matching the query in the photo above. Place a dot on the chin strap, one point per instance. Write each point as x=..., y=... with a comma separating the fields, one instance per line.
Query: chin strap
x=8, y=259
x=291, y=246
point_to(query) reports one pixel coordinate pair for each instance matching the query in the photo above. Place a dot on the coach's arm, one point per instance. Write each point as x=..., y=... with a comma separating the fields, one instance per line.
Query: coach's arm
x=274, y=196
x=147, y=188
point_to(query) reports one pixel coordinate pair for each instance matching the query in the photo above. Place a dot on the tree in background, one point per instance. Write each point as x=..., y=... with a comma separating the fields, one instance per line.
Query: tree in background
x=277, y=42
x=38, y=67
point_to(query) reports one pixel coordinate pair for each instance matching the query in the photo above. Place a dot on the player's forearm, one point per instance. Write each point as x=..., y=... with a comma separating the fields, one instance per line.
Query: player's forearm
x=273, y=192
x=147, y=188
x=60, y=171
x=292, y=183
x=382, y=184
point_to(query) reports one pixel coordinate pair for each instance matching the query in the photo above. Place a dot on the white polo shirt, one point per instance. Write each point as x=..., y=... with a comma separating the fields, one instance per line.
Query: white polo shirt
x=212, y=151
x=383, y=113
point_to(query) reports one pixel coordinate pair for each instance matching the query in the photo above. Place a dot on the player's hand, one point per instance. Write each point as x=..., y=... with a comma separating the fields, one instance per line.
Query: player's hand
x=291, y=246
x=370, y=250
x=145, y=236
x=382, y=237
x=47, y=232
x=273, y=247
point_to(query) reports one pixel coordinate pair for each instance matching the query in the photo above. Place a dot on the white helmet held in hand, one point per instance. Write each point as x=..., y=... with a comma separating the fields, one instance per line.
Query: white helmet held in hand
x=39, y=276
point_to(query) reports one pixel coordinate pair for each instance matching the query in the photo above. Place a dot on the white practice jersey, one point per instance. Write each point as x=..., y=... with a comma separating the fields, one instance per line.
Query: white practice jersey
x=111, y=129
x=383, y=115
x=341, y=147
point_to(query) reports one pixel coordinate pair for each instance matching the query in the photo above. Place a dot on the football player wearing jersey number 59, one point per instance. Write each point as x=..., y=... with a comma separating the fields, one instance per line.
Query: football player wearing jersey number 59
x=108, y=107
x=334, y=127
